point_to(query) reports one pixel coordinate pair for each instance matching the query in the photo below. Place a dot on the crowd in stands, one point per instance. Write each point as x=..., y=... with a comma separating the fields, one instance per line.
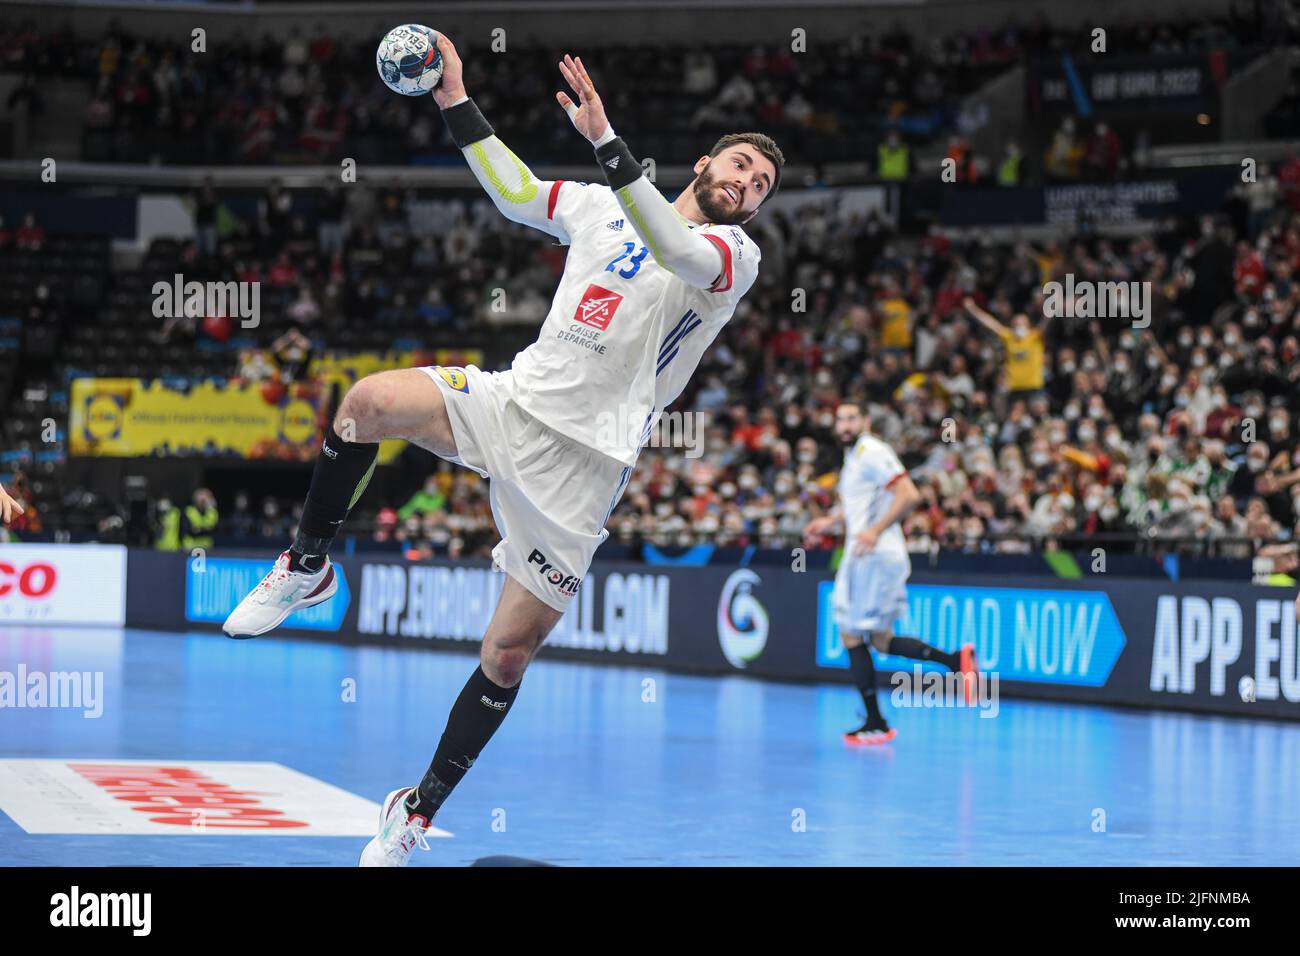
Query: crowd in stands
x=1178, y=425
x=1018, y=427
x=313, y=96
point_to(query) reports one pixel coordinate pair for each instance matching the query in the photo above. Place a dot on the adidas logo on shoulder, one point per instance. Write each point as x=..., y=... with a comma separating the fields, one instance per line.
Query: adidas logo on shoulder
x=616, y=225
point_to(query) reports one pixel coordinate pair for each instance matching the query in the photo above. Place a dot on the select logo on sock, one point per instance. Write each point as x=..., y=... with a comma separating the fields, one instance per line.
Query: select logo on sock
x=566, y=584
x=494, y=704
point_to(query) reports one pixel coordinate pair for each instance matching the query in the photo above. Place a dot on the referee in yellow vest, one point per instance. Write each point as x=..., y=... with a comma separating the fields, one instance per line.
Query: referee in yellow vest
x=892, y=158
x=200, y=520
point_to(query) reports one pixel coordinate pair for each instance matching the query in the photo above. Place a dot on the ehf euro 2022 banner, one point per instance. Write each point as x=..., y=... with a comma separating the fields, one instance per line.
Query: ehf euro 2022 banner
x=1224, y=647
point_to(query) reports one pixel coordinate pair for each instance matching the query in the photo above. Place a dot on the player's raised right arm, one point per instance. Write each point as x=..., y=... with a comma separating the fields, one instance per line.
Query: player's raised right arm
x=520, y=195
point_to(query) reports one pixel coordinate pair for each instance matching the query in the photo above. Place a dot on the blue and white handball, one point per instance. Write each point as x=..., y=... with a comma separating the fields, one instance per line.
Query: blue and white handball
x=408, y=60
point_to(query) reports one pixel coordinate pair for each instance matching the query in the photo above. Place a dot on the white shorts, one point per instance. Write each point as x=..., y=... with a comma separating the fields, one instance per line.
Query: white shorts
x=551, y=496
x=870, y=591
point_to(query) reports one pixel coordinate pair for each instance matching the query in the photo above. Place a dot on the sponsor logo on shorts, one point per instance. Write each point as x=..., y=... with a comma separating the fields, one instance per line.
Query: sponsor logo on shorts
x=456, y=378
x=566, y=584
x=597, y=307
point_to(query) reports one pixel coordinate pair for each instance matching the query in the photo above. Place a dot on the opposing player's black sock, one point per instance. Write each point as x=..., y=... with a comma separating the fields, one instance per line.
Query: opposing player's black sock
x=921, y=651
x=863, y=669
x=343, y=470
x=475, y=717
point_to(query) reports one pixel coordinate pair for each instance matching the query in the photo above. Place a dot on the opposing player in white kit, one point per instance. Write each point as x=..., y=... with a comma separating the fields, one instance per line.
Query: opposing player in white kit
x=647, y=285
x=870, y=593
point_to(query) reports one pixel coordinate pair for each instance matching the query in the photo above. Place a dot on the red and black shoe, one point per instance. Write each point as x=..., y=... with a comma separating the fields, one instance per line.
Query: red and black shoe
x=871, y=735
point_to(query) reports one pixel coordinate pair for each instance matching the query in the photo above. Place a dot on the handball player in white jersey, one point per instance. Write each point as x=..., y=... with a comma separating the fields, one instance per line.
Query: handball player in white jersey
x=875, y=494
x=647, y=285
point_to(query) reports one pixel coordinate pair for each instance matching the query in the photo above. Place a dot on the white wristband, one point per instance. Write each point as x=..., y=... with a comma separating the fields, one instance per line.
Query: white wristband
x=605, y=137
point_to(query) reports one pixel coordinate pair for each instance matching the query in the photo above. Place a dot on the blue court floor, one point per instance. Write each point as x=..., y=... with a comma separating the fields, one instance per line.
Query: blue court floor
x=605, y=765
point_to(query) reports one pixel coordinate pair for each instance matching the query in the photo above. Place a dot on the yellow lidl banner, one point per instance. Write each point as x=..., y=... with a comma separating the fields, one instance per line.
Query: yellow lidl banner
x=128, y=417
x=344, y=369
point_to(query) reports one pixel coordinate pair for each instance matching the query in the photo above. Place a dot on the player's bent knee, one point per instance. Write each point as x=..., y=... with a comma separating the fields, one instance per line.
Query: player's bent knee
x=505, y=665
x=880, y=640
x=397, y=404
x=362, y=410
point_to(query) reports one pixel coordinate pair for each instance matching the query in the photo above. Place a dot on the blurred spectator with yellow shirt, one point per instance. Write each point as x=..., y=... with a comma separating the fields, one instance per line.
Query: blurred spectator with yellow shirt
x=1023, y=350
x=895, y=318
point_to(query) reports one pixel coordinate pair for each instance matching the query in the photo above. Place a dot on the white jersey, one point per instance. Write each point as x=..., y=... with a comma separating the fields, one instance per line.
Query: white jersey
x=623, y=334
x=870, y=470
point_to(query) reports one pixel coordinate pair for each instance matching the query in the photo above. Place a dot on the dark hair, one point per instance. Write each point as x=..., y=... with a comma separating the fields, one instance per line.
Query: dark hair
x=760, y=141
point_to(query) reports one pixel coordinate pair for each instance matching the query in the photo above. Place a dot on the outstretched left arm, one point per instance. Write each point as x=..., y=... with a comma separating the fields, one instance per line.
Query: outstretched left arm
x=698, y=258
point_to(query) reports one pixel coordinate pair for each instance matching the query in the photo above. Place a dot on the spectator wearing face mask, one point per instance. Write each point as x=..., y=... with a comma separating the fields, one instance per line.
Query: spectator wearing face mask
x=1099, y=513
x=1223, y=418
x=1229, y=524
x=1275, y=485
x=1219, y=470
x=1023, y=350
x=1243, y=484
x=1177, y=514
x=1260, y=525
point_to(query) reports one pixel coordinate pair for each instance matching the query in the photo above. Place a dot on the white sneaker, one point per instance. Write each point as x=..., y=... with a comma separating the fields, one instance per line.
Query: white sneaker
x=400, y=832
x=278, y=595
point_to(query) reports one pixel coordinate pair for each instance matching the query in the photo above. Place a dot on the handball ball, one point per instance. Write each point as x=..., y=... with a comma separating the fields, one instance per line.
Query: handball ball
x=408, y=60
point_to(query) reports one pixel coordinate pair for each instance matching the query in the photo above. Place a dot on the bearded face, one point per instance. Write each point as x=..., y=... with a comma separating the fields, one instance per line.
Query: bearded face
x=711, y=195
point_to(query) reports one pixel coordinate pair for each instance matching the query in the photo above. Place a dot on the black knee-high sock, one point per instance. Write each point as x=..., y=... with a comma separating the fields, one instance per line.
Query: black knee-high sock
x=863, y=669
x=343, y=470
x=921, y=651
x=475, y=717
